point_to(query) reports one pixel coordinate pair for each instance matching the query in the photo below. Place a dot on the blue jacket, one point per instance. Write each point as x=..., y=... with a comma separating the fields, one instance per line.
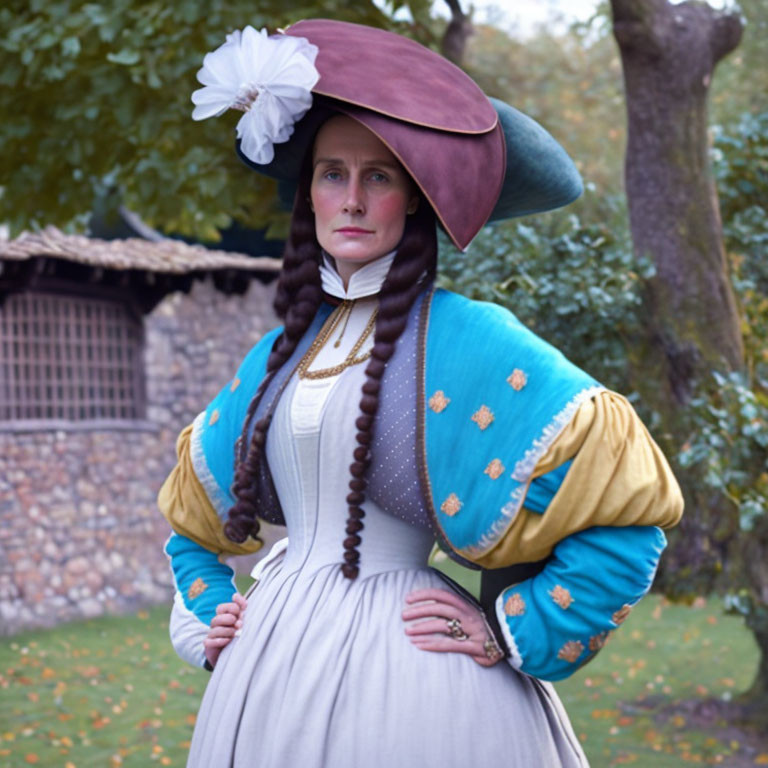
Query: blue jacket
x=493, y=404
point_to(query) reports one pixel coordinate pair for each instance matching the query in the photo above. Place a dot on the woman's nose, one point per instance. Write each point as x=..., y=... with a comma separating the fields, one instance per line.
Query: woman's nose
x=353, y=202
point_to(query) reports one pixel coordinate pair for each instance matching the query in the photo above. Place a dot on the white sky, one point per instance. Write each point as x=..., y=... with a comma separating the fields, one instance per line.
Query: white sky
x=521, y=17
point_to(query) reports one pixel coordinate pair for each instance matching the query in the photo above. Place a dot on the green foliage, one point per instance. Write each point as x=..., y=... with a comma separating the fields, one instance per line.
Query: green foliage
x=576, y=284
x=731, y=439
x=730, y=444
x=95, y=94
x=740, y=164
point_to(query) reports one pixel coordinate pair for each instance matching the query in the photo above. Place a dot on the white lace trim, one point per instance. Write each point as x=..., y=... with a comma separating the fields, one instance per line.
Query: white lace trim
x=523, y=471
x=524, y=468
x=219, y=498
x=515, y=658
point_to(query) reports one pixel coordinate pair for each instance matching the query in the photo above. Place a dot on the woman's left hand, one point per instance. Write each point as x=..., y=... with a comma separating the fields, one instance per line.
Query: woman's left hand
x=452, y=625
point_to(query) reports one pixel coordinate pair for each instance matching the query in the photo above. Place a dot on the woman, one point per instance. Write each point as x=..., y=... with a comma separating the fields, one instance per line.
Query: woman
x=459, y=424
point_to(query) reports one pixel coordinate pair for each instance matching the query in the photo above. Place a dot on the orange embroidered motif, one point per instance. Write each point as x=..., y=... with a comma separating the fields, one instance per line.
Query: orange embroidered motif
x=439, y=402
x=214, y=417
x=596, y=642
x=451, y=505
x=561, y=596
x=197, y=588
x=495, y=469
x=483, y=417
x=621, y=615
x=517, y=379
x=571, y=651
x=235, y=384
x=514, y=605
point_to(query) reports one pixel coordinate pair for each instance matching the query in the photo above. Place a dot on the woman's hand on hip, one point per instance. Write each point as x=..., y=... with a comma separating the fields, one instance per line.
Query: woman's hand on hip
x=450, y=625
x=227, y=621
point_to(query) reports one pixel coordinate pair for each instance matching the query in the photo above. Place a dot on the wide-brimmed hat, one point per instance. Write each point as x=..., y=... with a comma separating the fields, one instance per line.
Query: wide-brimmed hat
x=475, y=159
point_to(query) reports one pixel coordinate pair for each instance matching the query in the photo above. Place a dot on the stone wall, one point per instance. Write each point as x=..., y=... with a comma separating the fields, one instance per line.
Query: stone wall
x=80, y=534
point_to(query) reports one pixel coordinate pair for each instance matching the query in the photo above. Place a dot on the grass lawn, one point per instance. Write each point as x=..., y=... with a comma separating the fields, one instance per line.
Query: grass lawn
x=111, y=692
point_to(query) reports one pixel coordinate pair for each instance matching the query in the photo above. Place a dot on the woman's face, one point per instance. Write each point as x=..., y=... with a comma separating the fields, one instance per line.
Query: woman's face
x=360, y=194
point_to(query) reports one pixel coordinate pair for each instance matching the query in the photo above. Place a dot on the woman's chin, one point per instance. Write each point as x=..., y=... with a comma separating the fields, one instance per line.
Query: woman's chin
x=353, y=253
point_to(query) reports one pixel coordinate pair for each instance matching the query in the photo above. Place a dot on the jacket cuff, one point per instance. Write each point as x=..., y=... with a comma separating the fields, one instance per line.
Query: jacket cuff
x=558, y=620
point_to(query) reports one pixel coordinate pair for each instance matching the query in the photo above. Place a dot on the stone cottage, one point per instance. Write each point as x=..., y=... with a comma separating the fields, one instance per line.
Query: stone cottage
x=107, y=350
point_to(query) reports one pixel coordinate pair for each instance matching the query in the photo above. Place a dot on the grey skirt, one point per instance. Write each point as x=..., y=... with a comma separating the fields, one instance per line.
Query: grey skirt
x=323, y=676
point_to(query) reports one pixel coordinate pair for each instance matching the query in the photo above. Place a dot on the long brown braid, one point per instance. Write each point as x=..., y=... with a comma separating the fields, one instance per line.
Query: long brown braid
x=297, y=300
x=298, y=297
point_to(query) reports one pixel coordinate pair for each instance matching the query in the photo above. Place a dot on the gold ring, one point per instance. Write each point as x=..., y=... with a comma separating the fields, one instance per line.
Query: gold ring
x=456, y=631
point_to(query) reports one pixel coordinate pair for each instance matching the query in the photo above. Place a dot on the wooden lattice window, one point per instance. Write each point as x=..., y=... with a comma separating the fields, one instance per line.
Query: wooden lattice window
x=70, y=357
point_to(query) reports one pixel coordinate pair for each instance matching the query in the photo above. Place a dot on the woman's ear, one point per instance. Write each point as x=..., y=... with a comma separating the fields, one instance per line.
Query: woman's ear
x=311, y=207
x=412, y=205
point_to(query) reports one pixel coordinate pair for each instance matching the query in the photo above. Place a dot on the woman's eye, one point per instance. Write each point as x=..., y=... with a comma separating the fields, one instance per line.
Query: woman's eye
x=379, y=177
x=332, y=175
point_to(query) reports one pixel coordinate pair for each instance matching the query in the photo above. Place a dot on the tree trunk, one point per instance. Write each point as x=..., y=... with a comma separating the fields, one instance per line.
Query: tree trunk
x=669, y=53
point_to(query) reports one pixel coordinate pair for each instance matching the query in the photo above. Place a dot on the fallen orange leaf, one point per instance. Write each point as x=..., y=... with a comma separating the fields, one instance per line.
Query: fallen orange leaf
x=31, y=758
x=604, y=713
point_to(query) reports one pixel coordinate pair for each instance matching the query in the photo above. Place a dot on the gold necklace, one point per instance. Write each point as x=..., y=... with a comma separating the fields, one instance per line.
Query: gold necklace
x=337, y=343
x=325, y=333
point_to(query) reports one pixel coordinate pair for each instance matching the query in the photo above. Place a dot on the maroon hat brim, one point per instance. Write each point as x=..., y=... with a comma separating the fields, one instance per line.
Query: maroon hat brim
x=461, y=175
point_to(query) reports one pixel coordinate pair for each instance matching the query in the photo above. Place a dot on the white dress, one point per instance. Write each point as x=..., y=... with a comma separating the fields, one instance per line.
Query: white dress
x=323, y=674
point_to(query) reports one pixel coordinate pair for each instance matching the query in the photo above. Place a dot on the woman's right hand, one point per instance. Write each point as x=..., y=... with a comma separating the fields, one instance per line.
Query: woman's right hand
x=227, y=621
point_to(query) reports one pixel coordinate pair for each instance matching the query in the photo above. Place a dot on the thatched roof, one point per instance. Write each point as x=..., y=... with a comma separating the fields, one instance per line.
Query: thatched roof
x=164, y=256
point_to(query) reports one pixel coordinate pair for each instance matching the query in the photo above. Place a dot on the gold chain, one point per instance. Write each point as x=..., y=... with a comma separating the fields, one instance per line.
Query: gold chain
x=325, y=334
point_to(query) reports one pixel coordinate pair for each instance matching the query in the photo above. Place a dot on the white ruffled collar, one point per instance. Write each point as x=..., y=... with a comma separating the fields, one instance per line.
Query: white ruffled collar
x=366, y=281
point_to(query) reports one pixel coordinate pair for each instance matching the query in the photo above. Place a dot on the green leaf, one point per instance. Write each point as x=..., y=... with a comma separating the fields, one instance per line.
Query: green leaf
x=125, y=56
x=70, y=46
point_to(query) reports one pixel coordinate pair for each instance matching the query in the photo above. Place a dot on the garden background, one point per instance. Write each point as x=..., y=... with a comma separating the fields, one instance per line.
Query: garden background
x=656, y=281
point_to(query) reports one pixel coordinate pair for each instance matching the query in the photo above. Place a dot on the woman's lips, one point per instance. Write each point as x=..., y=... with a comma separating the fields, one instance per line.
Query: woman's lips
x=354, y=231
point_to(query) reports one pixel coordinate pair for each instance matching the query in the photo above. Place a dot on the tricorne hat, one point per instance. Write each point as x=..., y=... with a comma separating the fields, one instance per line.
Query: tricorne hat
x=475, y=159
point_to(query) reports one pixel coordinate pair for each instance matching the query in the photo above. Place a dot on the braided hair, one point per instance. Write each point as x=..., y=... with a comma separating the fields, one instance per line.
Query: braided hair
x=298, y=298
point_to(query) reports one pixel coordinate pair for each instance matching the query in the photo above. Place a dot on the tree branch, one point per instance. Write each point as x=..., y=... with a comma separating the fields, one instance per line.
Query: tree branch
x=726, y=35
x=637, y=11
x=635, y=21
x=457, y=33
x=456, y=13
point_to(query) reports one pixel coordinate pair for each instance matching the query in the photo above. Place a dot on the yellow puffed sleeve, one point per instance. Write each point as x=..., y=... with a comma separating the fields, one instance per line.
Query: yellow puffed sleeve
x=185, y=505
x=618, y=477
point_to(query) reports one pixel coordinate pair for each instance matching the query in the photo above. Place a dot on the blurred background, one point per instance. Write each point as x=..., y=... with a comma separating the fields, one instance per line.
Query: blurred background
x=137, y=267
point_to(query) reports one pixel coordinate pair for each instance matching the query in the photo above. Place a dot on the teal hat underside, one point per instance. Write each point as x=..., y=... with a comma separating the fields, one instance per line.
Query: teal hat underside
x=540, y=176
